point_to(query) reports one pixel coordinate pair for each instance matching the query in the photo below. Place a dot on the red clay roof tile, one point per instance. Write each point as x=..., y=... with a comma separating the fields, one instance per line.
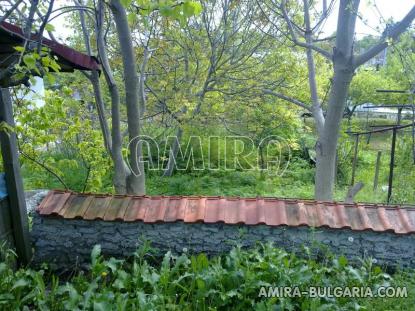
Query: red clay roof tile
x=195, y=210
x=366, y=224
x=76, y=206
x=249, y=211
x=116, y=210
x=275, y=212
x=97, y=208
x=341, y=216
x=135, y=211
x=252, y=213
x=232, y=211
x=171, y=213
x=403, y=216
x=54, y=203
x=214, y=211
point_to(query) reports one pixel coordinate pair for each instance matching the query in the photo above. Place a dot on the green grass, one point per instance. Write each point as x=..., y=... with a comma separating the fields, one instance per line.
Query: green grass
x=296, y=182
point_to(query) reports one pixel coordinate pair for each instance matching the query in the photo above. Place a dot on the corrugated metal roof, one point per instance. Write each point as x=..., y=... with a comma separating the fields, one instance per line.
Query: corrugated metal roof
x=249, y=211
x=68, y=58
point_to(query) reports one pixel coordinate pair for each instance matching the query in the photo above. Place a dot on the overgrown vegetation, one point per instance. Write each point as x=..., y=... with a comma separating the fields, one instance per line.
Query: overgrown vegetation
x=83, y=166
x=186, y=282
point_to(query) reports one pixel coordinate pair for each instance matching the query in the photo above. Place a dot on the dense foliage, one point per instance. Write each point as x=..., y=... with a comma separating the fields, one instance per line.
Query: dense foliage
x=186, y=282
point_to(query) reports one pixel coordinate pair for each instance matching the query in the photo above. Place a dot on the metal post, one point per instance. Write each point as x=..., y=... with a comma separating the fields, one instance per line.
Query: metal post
x=392, y=164
x=356, y=149
x=14, y=182
x=399, y=116
x=375, y=181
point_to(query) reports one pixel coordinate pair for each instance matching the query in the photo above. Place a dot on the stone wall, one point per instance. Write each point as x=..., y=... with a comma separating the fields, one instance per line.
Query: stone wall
x=33, y=199
x=66, y=242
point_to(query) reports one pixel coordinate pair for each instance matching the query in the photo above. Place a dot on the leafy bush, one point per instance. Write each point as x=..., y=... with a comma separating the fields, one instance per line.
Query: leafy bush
x=300, y=170
x=230, y=282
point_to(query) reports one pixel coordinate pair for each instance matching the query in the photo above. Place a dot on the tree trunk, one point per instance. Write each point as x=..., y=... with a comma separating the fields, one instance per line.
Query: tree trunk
x=120, y=167
x=327, y=142
x=136, y=180
x=174, y=150
x=112, y=141
x=343, y=73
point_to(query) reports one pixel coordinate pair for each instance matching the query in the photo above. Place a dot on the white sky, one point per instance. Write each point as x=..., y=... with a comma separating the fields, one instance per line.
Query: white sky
x=395, y=9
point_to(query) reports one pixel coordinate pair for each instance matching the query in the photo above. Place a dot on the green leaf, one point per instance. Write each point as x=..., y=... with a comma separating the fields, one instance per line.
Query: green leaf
x=191, y=8
x=96, y=252
x=197, y=8
x=343, y=261
x=50, y=27
x=377, y=270
x=20, y=283
x=5, y=297
x=29, y=61
x=132, y=18
x=3, y=266
x=45, y=61
x=200, y=283
x=126, y=3
x=112, y=263
x=102, y=306
x=187, y=9
x=166, y=10
x=50, y=77
x=19, y=48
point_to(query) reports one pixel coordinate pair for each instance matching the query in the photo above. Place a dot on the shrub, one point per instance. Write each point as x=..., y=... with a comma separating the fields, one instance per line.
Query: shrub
x=229, y=282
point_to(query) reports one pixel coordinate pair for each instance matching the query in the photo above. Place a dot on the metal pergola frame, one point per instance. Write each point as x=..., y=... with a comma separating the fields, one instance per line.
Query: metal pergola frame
x=385, y=128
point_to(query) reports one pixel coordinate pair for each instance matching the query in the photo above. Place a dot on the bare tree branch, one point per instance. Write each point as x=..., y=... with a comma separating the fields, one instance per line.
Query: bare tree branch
x=141, y=89
x=43, y=25
x=289, y=99
x=294, y=37
x=44, y=166
x=393, y=33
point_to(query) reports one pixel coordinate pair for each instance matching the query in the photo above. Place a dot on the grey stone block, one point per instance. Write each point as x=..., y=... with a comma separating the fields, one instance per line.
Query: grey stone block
x=66, y=242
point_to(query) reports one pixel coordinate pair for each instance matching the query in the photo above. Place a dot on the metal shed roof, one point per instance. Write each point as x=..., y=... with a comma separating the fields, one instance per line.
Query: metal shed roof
x=68, y=58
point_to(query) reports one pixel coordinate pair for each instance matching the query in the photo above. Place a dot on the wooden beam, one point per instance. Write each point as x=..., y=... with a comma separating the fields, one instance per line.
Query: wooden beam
x=391, y=166
x=375, y=181
x=14, y=182
x=356, y=150
x=353, y=190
